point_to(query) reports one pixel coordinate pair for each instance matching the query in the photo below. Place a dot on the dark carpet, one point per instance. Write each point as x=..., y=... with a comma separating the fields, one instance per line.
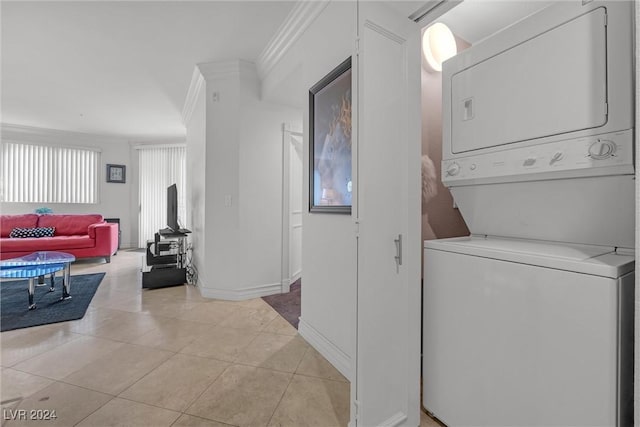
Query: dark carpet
x=288, y=305
x=14, y=302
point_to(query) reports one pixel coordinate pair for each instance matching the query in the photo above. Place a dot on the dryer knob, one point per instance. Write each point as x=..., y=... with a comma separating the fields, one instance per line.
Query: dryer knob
x=453, y=169
x=602, y=149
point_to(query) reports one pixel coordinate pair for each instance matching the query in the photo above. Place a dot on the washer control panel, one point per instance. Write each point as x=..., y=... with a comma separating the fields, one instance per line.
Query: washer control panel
x=608, y=154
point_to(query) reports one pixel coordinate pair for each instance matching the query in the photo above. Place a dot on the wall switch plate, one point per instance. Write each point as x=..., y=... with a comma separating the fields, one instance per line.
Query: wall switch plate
x=227, y=201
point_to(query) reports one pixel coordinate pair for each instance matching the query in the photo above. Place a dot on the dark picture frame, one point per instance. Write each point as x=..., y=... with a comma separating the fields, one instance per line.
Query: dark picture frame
x=117, y=173
x=330, y=178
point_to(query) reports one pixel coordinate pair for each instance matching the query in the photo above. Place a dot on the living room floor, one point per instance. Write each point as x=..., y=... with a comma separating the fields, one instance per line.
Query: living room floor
x=167, y=357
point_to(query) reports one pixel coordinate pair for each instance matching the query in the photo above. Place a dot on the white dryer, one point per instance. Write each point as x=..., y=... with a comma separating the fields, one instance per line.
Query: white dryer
x=526, y=333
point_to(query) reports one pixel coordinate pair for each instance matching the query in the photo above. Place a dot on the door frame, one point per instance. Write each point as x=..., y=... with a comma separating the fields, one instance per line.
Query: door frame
x=287, y=133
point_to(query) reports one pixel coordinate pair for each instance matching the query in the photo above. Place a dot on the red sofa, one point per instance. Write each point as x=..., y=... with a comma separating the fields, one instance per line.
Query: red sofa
x=84, y=236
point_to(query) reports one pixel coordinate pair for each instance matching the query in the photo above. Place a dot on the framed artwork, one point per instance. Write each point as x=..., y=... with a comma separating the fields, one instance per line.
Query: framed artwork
x=330, y=181
x=116, y=173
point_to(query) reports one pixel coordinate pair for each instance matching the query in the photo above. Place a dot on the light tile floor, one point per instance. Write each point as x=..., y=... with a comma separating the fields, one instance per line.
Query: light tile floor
x=167, y=357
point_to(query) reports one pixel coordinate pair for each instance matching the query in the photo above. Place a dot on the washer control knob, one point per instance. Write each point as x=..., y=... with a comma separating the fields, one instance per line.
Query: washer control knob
x=473, y=166
x=602, y=149
x=453, y=169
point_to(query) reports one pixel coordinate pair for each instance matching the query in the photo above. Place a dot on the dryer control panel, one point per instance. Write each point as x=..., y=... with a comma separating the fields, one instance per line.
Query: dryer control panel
x=597, y=155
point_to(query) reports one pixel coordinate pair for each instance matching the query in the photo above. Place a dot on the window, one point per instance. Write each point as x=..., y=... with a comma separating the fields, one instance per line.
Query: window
x=159, y=167
x=48, y=174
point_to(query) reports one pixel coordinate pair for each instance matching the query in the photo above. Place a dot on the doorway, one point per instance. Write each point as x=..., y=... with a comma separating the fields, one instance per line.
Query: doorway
x=292, y=178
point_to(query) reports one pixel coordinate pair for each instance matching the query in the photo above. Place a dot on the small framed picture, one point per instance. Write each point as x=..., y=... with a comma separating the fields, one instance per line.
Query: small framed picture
x=116, y=173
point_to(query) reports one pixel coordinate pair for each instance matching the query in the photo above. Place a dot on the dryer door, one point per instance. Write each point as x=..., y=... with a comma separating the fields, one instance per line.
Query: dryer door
x=551, y=84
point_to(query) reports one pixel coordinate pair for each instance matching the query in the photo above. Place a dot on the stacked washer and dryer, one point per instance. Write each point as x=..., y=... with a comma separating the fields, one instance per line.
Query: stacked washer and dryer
x=529, y=321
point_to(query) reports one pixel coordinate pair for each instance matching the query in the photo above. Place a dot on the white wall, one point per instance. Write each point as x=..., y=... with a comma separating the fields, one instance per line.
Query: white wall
x=115, y=200
x=328, y=244
x=196, y=178
x=240, y=212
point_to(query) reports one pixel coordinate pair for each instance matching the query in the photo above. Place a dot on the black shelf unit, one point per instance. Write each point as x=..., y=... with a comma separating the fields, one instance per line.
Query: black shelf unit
x=165, y=261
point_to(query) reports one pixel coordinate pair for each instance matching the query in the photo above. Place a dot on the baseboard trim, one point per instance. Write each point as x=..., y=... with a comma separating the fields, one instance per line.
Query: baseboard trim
x=296, y=276
x=326, y=348
x=241, y=294
x=285, y=285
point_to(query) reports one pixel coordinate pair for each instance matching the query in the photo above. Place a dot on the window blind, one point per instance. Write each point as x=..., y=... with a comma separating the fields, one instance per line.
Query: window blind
x=48, y=174
x=159, y=167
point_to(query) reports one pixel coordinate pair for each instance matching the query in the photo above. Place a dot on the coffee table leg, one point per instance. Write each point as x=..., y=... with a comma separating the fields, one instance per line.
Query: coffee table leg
x=66, y=282
x=41, y=281
x=52, y=278
x=32, y=287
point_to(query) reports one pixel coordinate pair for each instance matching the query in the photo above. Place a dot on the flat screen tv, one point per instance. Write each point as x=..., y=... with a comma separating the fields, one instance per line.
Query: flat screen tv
x=172, y=207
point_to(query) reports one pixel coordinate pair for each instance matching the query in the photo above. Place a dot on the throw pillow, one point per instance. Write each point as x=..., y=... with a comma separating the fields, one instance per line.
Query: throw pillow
x=32, y=232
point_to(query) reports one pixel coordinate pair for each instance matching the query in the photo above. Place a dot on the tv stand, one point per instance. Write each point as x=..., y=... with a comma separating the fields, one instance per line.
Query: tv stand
x=166, y=260
x=168, y=232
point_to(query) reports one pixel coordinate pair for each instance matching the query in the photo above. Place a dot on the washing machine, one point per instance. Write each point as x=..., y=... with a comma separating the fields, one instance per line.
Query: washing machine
x=523, y=332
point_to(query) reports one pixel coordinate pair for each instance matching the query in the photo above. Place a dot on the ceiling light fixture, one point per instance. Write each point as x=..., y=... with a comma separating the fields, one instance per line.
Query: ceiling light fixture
x=438, y=45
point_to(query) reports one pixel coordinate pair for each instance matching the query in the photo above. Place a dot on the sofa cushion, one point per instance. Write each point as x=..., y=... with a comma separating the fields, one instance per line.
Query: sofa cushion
x=32, y=232
x=60, y=243
x=9, y=222
x=69, y=225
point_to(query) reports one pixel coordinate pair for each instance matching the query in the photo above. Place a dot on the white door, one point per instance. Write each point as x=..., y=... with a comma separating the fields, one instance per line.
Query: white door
x=388, y=218
x=295, y=206
x=291, y=207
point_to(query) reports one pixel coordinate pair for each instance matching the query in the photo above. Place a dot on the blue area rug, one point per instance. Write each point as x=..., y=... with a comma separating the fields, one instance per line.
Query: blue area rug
x=14, y=302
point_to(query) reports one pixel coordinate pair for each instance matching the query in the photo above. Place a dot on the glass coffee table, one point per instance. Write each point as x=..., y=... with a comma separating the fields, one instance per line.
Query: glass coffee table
x=39, y=264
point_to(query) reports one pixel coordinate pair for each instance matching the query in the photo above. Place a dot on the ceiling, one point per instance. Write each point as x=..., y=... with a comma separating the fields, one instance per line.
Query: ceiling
x=120, y=68
x=474, y=20
x=123, y=68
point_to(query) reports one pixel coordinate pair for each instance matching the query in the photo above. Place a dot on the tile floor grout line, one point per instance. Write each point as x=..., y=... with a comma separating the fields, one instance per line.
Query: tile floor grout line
x=323, y=378
x=145, y=375
x=79, y=368
x=302, y=358
x=263, y=367
x=275, y=409
x=190, y=404
x=96, y=410
x=103, y=392
x=30, y=373
x=128, y=399
x=36, y=355
x=203, y=392
x=85, y=388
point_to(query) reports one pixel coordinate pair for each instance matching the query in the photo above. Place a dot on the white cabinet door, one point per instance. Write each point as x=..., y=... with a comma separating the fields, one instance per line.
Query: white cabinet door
x=295, y=206
x=388, y=217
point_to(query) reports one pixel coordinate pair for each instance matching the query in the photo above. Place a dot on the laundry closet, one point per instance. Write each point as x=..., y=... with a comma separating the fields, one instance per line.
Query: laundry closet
x=528, y=319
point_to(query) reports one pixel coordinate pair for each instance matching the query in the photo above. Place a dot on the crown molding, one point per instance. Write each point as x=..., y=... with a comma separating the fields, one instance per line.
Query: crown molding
x=197, y=83
x=295, y=24
x=226, y=69
x=210, y=71
x=31, y=133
